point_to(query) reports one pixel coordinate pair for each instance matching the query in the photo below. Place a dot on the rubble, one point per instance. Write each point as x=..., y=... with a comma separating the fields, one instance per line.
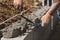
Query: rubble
x=18, y=25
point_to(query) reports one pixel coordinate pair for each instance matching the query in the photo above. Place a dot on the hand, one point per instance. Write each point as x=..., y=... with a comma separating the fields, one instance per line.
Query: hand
x=17, y=3
x=45, y=19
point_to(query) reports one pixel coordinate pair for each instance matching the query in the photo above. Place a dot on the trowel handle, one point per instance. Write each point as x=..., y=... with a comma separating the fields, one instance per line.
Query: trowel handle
x=38, y=22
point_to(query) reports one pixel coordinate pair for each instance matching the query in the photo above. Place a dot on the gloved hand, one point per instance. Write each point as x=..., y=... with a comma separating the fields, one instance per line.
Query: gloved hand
x=17, y=3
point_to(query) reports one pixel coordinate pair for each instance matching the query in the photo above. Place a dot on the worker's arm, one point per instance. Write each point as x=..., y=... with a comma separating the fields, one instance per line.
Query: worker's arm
x=46, y=18
x=53, y=8
x=17, y=3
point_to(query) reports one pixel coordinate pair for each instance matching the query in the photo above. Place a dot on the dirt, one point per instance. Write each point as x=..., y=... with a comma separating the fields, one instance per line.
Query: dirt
x=7, y=10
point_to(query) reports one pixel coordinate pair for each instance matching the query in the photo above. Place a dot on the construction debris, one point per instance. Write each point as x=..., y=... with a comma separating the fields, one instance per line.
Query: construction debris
x=10, y=28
